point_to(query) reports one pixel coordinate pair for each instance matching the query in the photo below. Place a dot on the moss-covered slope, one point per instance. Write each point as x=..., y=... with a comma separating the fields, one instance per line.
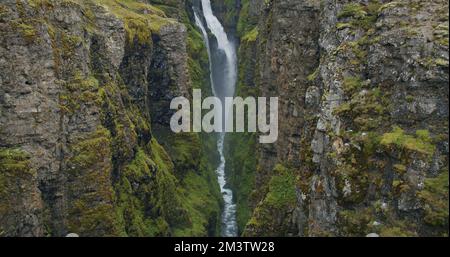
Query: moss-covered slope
x=82, y=82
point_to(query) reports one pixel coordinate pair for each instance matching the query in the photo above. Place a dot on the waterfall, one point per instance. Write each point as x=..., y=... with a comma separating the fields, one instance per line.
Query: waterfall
x=223, y=81
x=199, y=24
x=224, y=45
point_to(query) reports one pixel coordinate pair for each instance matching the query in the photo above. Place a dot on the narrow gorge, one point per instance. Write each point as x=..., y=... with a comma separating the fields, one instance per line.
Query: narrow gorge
x=222, y=59
x=86, y=145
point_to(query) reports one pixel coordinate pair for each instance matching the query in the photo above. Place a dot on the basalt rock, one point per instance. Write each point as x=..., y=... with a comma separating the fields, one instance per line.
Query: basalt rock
x=363, y=88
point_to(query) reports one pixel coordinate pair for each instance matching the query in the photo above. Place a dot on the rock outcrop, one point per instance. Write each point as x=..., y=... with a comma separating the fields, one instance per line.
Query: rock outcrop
x=363, y=145
x=80, y=83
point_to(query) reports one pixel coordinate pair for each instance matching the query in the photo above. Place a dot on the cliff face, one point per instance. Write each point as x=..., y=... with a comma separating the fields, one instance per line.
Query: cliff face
x=85, y=143
x=363, y=145
x=80, y=83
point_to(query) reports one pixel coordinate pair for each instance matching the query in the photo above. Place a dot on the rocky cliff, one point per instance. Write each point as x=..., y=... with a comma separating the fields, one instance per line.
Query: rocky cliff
x=85, y=145
x=363, y=144
x=84, y=90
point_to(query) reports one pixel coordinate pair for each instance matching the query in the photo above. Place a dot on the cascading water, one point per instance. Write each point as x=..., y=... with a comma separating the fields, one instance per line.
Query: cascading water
x=222, y=61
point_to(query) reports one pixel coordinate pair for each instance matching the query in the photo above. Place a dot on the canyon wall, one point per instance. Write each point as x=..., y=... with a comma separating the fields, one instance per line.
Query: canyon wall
x=86, y=148
x=85, y=90
x=363, y=145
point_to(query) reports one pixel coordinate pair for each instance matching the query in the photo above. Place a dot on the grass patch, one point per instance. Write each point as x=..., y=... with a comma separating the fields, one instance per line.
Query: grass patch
x=141, y=19
x=420, y=143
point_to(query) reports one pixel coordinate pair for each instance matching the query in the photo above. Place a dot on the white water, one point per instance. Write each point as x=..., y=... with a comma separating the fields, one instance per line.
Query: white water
x=227, y=81
x=199, y=24
x=229, y=225
x=223, y=44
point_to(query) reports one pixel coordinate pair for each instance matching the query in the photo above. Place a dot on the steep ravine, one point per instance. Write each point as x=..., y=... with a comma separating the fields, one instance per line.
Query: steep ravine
x=223, y=69
x=85, y=140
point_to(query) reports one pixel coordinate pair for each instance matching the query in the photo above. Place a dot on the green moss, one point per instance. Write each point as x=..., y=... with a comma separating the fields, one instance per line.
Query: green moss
x=3, y=10
x=242, y=25
x=29, y=25
x=343, y=25
x=435, y=199
x=371, y=143
x=28, y=31
x=367, y=106
x=137, y=28
x=202, y=204
x=443, y=41
x=17, y=182
x=440, y=33
x=186, y=152
x=352, y=84
x=199, y=191
x=441, y=62
x=68, y=44
x=198, y=61
x=400, y=168
x=420, y=143
x=354, y=10
x=14, y=160
x=314, y=75
x=91, y=219
x=185, y=208
x=396, y=232
x=251, y=36
x=281, y=188
x=359, y=16
x=278, y=202
x=168, y=195
x=389, y=5
x=341, y=109
x=141, y=19
x=396, y=184
x=356, y=222
x=247, y=25
x=40, y=4
x=240, y=170
x=80, y=90
x=91, y=209
x=91, y=150
x=358, y=49
x=410, y=98
x=133, y=210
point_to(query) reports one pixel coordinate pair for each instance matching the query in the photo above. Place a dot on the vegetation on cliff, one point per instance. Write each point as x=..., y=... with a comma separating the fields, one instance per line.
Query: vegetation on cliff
x=85, y=145
x=116, y=178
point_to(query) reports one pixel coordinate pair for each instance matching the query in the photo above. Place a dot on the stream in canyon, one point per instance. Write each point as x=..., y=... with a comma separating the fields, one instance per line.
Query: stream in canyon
x=223, y=70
